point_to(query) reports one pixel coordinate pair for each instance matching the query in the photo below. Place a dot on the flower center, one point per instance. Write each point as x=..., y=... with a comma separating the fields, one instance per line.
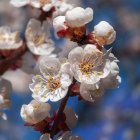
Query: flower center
x=91, y=62
x=85, y=67
x=36, y=106
x=53, y=84
x=39, y=40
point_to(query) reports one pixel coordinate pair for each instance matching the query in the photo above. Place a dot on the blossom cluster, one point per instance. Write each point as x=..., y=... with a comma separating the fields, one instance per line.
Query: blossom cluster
x=85, y=69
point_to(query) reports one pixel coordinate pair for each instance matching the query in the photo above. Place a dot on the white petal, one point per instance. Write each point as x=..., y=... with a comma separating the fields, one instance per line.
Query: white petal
x=43, y=49
x=59, y=23
x=45, y=137
x=19, y=3
x=114, y=68
x=47, y=7
x=66, y=80
x=75, y=55
x=91, y=92
x=65, y=136
x=35, y=3
x=68, y=136
x=111, y=81
x=59, y=94
x=49, y=66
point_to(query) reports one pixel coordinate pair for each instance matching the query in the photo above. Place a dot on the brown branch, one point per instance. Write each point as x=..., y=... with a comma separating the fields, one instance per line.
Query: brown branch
x=8, y=62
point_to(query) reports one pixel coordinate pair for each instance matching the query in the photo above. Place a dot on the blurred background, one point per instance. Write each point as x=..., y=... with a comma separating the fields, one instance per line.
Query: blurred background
x=116, y=116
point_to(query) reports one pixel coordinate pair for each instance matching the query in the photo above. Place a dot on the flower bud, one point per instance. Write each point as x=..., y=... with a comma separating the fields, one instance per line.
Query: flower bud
x=35, y=112
x=104, y=33
x=78, y=17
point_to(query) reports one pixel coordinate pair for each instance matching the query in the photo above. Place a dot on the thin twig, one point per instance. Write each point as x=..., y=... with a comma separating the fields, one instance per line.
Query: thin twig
x=60, y=112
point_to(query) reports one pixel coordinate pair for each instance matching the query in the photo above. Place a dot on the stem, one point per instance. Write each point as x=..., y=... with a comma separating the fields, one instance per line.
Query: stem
x=59, y=114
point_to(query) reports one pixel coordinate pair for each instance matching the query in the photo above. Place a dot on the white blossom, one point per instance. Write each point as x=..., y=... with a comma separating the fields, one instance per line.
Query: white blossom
x=68, y=136
x=53, y=83
x=45, y=137
x=104, y=33
x=89, y=64
x=35, y=112
x=78, y=16
x=9, y=40
x=38, y=38
x=90, y=92
x=71, y=117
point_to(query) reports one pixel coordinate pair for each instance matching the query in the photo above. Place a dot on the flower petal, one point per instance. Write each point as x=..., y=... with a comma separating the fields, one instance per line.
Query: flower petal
x=49, y=66
x=75, y=55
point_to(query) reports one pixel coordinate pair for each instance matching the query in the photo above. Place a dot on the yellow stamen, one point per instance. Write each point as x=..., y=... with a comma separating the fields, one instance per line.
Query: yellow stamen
x=53, y=84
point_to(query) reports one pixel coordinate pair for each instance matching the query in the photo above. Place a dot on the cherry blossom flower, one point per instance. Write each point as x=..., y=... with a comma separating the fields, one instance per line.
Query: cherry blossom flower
x=104, y=33
x=53, y=83
x=89, y=64
x=68, y=136
x=35, y=112
x=38, y=39
x=90, y=92
x=9, y=40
